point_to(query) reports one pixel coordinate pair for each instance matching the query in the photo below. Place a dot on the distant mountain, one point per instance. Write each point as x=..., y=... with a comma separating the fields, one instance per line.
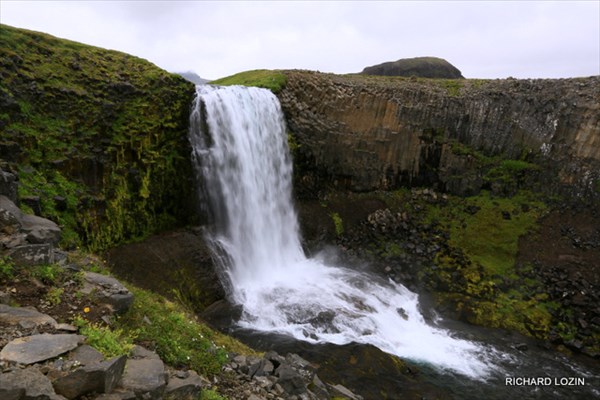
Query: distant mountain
x=193, y=77
x=424, y=67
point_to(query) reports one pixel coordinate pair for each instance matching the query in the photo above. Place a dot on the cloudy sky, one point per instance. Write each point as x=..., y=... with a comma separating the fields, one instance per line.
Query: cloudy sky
x=484, y=39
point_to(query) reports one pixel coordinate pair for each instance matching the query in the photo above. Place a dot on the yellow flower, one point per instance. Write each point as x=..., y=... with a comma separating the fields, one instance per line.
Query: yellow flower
x=86, y=309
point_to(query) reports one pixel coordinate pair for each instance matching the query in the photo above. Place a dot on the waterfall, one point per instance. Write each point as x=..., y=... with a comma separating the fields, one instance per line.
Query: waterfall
x=240, y=151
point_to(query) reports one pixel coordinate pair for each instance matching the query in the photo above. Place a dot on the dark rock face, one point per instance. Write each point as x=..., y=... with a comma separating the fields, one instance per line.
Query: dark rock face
x=362, y=133
x=172, y=261
x=423, y=67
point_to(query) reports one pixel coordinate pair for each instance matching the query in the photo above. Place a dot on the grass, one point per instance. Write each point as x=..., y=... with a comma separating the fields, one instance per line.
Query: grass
x=487, y=236
x=273, y=80
x=109, y=122
x=109, y=342
x=177, y=336
x=49, y=273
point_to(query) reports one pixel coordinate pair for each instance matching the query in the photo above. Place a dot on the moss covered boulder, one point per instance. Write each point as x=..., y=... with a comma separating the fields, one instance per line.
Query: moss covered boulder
x=98, y=138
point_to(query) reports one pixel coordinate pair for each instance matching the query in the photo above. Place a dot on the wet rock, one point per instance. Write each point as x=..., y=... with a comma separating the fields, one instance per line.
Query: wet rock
x=100, y=377
x=36, y=348
x=145, y=377
x=108, y=290
x=19, y=315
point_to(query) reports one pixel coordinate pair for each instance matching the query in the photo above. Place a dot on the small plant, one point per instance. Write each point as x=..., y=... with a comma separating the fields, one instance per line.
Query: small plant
x=339, y=224
x=48, y=274
x=110, y=343
x=54, y=296
x=210, y=394
x=7, y=268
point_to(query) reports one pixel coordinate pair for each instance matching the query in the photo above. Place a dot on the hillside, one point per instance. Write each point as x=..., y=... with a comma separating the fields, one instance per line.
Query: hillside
x=98, y=138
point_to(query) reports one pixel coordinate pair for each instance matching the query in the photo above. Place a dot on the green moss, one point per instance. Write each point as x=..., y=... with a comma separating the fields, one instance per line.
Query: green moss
x=267, y=79
x=338, y=223
x=488, y=236
x=7, y=269
x=107, y=123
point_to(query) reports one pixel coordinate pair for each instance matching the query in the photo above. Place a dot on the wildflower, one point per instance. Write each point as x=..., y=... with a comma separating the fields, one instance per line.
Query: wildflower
x=86, y=310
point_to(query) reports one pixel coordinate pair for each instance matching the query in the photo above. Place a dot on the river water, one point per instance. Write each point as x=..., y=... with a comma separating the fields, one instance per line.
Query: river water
x=241, y=155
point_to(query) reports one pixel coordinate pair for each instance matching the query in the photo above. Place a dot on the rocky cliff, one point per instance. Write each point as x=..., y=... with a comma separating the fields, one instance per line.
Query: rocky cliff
x=98, y=138
x=365, y=133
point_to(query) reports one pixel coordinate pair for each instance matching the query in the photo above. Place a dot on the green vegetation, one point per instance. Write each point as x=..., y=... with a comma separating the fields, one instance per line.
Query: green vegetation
x=273, y=80
x=209, y=394
x=54, y=296
x=59, y=199
x=338, y=223
x=490, y=235
x=99, y=136
x=176, y=335
x=7, y=268
x=48, y=274
x=110, y=342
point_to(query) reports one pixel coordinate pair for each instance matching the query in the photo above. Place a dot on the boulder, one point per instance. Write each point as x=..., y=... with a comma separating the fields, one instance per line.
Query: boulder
x=188, y=388
x=86, y=355
x=36, y=348
x=26, y=384
x=8, y=185
x=32, y=254
x=290, y=380
x=108, y=290
x=24, y=316
x=100, y=377
x=10, y=216
x=145, y=376
x=40, y=230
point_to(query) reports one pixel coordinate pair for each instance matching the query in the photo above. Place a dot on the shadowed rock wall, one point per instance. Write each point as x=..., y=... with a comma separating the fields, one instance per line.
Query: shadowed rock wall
x=365, y=133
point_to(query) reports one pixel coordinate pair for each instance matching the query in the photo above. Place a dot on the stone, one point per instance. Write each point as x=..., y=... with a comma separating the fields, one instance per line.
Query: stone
x=290, y=380
x=10, y=216
x=27, y=384
x=262, y=368
x=17, y=315
x=32, y=254
x=100, y=377
x=109, y=290
x=141, y=352
x=340, y=390
x=188, y=388
x=8, y=185
x=40, y=230
x=86, y=355
x=36, y=348
x=145, y=376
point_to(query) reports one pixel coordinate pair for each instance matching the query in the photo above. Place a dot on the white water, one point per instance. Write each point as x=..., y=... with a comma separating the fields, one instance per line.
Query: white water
x=241, y=151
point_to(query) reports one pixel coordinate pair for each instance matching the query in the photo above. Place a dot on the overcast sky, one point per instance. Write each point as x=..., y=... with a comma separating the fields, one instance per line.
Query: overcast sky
x=484, y=39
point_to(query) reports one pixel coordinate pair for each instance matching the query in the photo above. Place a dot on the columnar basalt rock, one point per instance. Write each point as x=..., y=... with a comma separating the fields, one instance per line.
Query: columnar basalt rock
x=366, y=133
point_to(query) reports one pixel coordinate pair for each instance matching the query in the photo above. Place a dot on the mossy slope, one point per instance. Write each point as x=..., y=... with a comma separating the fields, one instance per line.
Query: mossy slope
x=98, y=135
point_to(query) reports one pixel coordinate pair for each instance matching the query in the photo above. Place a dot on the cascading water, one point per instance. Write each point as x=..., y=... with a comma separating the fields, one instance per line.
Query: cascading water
x=240, y=149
